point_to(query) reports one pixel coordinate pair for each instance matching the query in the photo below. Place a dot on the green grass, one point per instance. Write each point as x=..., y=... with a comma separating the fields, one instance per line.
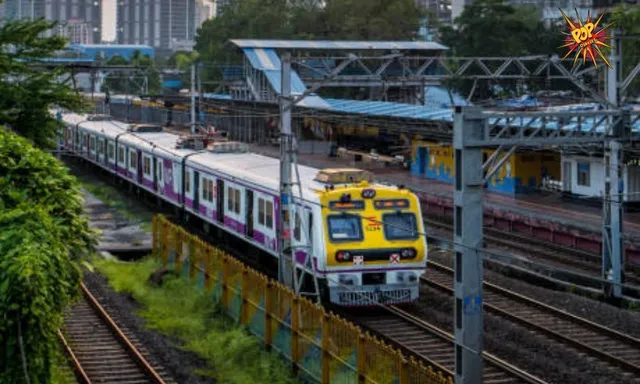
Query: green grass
x=120, y=201
x=61, y=370
x=181, y=310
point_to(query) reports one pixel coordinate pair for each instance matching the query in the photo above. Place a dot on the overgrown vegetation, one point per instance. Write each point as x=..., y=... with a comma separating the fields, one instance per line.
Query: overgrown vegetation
x=42, y=229
x=27, y=93
x=120, y=201
x=181, y=310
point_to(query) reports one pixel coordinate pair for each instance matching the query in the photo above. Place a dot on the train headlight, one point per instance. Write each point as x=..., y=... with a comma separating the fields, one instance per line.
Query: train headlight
x=408, y=253
x=343, y=256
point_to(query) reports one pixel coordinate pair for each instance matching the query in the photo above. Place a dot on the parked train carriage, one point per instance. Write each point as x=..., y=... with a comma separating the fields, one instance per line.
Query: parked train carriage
x=364, y=239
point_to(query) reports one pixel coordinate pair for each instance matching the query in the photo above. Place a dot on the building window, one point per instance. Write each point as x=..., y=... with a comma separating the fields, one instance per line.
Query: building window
x=584, y=174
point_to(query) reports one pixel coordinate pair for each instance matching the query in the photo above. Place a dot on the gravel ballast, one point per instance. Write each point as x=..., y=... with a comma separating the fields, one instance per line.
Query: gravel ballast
x=180, y=364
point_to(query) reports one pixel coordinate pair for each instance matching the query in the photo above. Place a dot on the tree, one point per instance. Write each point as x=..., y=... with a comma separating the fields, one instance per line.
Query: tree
x=628, y=19
x=496, y=28
x=28, y=93
x=42, y=230
x=132, y=83
x=304, y=19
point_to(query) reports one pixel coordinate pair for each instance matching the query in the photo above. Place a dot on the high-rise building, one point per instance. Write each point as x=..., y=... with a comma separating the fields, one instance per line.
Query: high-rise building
x=162, y=24
x=205, y=10
x=79, y=19
x=439, y=8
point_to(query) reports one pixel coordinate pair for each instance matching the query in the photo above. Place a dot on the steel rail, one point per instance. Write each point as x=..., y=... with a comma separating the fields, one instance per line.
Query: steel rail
x=549, y=312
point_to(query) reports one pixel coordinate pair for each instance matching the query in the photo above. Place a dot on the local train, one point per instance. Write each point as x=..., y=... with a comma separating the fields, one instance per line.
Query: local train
x=365, y=240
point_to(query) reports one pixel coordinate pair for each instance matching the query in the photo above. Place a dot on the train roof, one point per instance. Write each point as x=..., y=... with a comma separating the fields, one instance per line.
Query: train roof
x=255, y=168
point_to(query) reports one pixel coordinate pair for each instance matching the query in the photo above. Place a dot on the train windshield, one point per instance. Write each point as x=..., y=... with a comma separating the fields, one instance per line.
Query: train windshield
x=345, y=227
x=400, y=226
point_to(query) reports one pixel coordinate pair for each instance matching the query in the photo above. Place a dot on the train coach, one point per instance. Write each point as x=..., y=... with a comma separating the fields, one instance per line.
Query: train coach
x=365, y=240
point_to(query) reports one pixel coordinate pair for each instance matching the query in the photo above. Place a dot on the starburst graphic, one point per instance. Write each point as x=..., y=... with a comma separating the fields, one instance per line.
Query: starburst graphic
x=585, y=39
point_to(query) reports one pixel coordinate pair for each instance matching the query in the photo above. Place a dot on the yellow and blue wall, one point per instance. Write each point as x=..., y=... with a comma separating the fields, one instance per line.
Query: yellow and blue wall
x=521, y=173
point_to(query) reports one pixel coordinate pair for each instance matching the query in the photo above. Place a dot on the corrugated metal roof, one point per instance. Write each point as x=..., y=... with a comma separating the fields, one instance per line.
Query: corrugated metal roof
x=340, y=45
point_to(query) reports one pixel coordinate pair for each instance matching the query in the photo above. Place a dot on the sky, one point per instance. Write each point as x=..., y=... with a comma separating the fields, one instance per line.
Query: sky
x=109, y=20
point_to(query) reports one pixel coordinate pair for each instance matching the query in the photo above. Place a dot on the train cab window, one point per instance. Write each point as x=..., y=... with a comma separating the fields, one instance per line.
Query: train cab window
x=345, y=227
x=187, y=182
x=146, y=165
x=400, y=226
x=110, y=150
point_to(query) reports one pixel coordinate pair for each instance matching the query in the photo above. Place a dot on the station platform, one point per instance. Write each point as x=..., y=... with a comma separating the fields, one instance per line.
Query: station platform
x=547, y=215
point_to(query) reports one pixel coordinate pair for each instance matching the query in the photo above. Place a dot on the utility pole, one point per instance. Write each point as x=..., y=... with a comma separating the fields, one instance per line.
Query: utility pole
x=200, y=110
x=285, y=270
x=193, y=99
x=468, y=126
x=612, y=244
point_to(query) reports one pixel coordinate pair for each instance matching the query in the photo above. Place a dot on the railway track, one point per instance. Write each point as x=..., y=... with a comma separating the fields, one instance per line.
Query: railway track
x=577, y=260
x=605, y=344
x=100, y=352
x=435, y=346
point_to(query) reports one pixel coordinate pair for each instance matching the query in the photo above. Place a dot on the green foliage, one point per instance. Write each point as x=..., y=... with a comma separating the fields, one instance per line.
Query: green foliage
x=134, y=82
x=305, y=19
x=27, y=93
x=496, y=28
x=181, y=310
x=628, y=18
x=41, y=226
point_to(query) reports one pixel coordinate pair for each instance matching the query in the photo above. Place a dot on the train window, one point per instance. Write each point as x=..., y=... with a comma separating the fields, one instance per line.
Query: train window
x=237, y=202
x=101, y=146
x=160, y=172
x=110, y=150
x=261, y=215
x=400, y=226
x=297, y=230
x=269, y=214
x=134, y=159
x=187, y=182
x=345, y=227
x=205, y=189
x=211, y=189
x=92, y=143
x=146, y=165
x=121, y=154
x=230, y=198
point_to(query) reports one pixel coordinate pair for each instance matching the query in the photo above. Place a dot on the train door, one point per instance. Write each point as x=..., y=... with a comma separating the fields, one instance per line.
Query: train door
x=155, y=174
x=196, y=190
x=220, y=201
x=249, y=216
x=566, y=176
x=423, y=158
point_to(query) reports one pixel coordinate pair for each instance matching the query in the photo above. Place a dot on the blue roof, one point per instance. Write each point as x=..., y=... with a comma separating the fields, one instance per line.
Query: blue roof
x=125, y=51
x=340, y=45
x=439, y=97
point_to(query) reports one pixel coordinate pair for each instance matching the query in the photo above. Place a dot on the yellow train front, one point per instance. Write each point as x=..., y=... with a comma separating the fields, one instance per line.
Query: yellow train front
x=375, y=245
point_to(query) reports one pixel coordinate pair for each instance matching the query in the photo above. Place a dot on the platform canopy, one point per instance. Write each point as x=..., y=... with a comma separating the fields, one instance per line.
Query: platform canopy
x=340, y=45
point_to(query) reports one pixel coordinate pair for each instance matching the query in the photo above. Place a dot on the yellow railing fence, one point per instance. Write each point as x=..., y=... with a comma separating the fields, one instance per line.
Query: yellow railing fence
x=321, y=346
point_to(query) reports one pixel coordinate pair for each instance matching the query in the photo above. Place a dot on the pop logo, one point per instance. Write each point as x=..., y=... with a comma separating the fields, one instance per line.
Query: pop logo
x=585, y=39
